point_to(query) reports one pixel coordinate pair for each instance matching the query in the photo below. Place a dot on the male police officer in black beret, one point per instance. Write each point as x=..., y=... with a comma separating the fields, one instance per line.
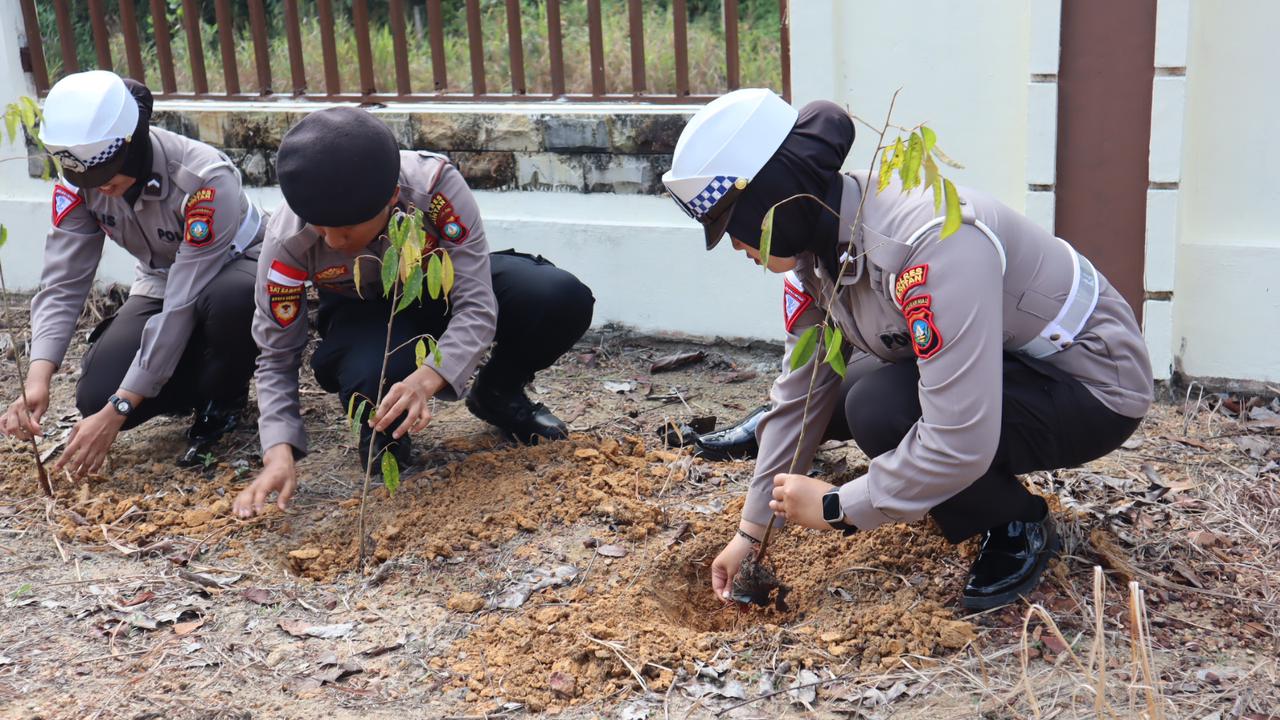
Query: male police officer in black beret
x=343, y=176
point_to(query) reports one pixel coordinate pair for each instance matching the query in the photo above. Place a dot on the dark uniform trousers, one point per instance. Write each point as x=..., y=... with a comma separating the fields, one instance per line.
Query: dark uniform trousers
x=1049, y=421
x=542, y=312
x=216, y=365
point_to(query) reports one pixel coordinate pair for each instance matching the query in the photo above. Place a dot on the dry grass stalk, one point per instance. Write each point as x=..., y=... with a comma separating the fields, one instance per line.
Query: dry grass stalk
x=1140, y=635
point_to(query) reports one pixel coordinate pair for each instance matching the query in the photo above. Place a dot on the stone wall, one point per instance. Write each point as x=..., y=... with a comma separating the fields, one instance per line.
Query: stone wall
x=608, y=150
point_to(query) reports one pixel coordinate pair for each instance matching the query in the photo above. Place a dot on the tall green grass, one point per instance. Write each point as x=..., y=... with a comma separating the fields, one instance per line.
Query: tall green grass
x=759, y=51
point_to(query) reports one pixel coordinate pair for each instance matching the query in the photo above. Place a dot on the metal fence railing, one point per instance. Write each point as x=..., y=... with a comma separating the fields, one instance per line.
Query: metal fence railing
x=272, y=53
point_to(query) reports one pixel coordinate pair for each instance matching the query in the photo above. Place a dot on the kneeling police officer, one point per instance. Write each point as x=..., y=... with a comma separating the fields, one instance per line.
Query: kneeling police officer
x=343, y=176
x=998, y=351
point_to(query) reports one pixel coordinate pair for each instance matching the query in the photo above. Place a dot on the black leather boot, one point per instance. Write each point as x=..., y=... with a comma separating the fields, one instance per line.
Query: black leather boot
x=518, y=417
x=210, y=425
x=732, y=443
x=401, y=450
x=1010, y=563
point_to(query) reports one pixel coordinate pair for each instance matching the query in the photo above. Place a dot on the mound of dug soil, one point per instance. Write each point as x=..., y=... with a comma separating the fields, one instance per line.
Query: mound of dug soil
x=633, y=524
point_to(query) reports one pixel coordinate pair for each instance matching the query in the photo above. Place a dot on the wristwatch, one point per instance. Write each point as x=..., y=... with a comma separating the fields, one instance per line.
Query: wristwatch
x=833, y=513
x=122, y=406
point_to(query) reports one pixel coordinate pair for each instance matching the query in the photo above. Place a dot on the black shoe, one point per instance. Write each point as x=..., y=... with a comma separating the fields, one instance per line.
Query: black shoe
x=401, y=450
x=518, y=417
x=732, y=443
x=208, y=428
x=1010, y=563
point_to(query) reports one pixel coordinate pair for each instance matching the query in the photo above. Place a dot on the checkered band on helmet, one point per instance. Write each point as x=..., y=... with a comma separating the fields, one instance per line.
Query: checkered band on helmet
x=702, y=203
x=106, y=154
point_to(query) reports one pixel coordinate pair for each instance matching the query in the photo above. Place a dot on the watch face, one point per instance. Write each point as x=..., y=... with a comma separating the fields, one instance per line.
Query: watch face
x=123, y=406
x=831, y=510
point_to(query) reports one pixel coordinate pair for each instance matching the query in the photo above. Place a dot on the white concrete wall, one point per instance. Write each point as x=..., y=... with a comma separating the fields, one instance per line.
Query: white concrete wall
x=1227, y=276
x=963, y=68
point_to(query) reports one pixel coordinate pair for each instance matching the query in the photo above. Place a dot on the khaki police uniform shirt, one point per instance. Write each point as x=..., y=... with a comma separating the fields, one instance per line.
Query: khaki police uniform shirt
x=966, y=311
x=181, y=230
x=294, y=254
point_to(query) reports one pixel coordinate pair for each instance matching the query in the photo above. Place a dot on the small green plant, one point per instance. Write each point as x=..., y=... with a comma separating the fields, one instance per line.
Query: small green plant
x=411, y=265
x=23, y=115
x=208, y=460
x=915, y=160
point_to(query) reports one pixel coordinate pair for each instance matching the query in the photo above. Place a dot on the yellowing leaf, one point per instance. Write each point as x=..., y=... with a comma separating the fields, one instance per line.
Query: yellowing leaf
x=899, y=153
x=419, y=353
x=804, y=348
x=946, y=160
x=4, y=235
x=910, y=171
x=446, y=277
x=931, y=176
x=886, y=169
x=952, y=223
x=351, y=406
x=11, y=122
x=410, y=257
x=435, y=276
x=355, y=271
x=390, y=472
x=766, y=237
x=30, y=112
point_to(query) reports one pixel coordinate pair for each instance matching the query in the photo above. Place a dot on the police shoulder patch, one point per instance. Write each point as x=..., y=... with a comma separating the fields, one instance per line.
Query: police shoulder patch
x=441, y=215
x=925, y=338
x=199, y=231
x=913, y=276
x=285, y=288
x=64, y=201
x=794, y=301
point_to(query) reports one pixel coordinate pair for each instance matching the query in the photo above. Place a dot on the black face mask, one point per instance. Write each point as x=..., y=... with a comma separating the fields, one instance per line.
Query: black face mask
x=137, y=162
x=807, y=163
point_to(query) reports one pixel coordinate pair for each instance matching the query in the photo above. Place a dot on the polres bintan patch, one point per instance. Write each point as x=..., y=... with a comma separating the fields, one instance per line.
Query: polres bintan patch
x=203, y=195
x=914, y=276
x=441, y=215
x=64, y=201
x=794, y=302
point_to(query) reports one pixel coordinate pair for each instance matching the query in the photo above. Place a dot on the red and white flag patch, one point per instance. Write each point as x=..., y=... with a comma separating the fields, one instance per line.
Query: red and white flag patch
x=64, y=201
x=284, y=292
x=794, y=301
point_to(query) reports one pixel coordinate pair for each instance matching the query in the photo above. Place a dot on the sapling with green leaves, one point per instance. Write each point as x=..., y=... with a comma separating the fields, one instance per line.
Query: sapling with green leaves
x=411, y=266
x=21, y=118
x=915, y=160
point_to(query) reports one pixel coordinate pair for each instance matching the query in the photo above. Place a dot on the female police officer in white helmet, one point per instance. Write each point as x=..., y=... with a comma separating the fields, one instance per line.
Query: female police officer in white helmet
x=181, y=341
x=998, y=351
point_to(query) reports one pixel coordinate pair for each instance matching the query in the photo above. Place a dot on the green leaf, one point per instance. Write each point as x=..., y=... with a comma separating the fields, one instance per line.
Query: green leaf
x=420, y=353
x=446, y=278
x=835, y=351
x=390, y=472
x=435, y=351
x=30, y=112
x=931, y=179
x=899, y=153
x=4, y=235
x=390, y=269
x=911, y=166
x=766, y=237
x=946, y=160
x=804, y=348
x=930, y=139
x=11, y=122
x=435, y=276
x=357, y=417
x=952, y=223
x=412, y=289
x=396, y=229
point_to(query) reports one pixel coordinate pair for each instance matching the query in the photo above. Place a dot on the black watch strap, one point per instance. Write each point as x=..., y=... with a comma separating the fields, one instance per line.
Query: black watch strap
x=120, y=405
x=833, y=513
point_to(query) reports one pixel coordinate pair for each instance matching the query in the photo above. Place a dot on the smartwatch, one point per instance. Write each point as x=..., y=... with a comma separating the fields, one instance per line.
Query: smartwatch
x=122, y=406
x=833, y=513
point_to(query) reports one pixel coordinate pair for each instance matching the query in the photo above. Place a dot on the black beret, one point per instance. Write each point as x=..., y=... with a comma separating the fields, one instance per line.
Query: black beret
x=338, y=167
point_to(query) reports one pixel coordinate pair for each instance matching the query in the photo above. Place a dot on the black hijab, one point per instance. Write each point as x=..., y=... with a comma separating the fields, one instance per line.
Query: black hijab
x=137, y=161
x=807, y=162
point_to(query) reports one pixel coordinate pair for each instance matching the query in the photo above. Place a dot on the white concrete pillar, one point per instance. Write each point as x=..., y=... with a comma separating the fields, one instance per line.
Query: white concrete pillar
x=816, y=57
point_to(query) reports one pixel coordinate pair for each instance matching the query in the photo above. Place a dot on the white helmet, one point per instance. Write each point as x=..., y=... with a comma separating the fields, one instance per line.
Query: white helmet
x=88, y=118
x=724, y=145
